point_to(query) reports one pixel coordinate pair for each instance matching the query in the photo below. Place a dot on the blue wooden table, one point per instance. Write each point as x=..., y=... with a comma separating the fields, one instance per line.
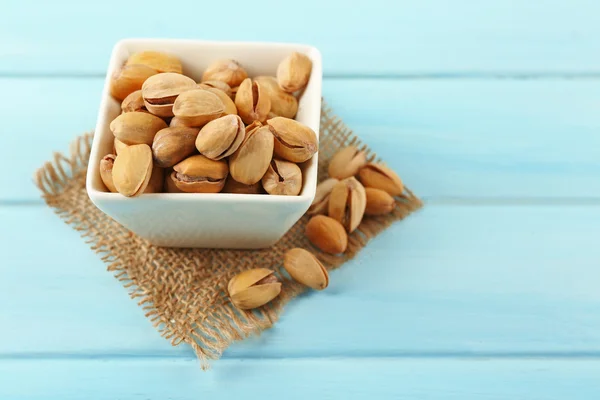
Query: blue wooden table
x=489, y=110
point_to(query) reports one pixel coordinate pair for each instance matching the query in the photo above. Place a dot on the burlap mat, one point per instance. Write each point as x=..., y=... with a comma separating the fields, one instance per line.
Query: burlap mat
x=183, y=291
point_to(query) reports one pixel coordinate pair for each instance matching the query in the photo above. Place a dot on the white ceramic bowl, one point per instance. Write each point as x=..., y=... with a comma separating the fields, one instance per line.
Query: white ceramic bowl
x=207, y=220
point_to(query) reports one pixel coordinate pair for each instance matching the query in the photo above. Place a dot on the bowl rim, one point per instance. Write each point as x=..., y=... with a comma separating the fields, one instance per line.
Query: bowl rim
x=94, y=159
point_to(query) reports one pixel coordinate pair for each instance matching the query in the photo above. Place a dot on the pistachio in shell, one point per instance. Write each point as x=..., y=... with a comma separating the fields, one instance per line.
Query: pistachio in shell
x=320, y=203
x=198, y=174
x=221, y=137
x=347, y=203
x=347, y=162
x=222, y=86
x=251, y=160
x=226, y=70
x=132, y=170
x=173, y=144
x=252, y=102
x=230, y=108
x=106, y=167
x=253, y=288
x=283, y=104
x=294, y=141
x=305, y=268
x=283, y=178
x=379, y=176
x=134, y=102
x=293, y=72
x=161, y=90
x=136, y=127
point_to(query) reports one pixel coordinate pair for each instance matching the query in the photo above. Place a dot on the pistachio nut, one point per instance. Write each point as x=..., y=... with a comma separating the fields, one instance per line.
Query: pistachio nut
x=136, y=127
x=283, y=178
x=305, y=268
x=230, y=108
x=347, y=203
x=293, y=72
x=347, y=162
x=157, y=181
x=198, y=174
x=132, y=170
x=106, y=167
x=251, y=160
x=159, y=61
x=134, y=102
x=222, y=86
x=221, y=137
x=320, y=203
x=327, y=234
x=228, y=71
x=172, y=145
x=252, y=102
x=379, y=176
x=282, y=104
x=253, y=288
x=118, y=145
x=197, y=107
x=233, y=186
x=293, y=141
x=379, y=202
x=161, y=90
x=128, y=79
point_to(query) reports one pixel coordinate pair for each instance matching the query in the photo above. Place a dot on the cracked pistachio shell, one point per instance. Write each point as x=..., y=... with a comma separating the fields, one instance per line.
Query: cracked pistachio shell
x=293, y=72
x=253, y=288
x=381, y=177
x=230, y=108
x=228, y=71
x=198, y=174
x=159, y=61
x=282, y=104
x=174, y=144
x=132, y=170
x=221, y=137
x=136, y=127
x=379, y=202
x=252, y=102
x=294, y=141
x=128, y=79
x=347, y=162
x=233, y=186
x=197, y=107
x=347, y=203
x=327, y=234
x=170, y=186
x=106, y=167
x=134, y=102
x=305, y=268
x=161, y=90
x=118, y=145
x=251, y=160
x=222, y=86
x=283, y=178
x=320, y=203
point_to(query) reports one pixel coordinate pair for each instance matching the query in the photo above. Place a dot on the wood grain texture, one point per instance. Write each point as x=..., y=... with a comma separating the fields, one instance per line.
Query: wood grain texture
x=346, y=378
x=477, y=139
x=381, y=37
x=449, y=280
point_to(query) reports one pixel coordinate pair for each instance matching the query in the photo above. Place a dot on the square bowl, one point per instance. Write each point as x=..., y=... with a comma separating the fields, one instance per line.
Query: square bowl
x=219, y=220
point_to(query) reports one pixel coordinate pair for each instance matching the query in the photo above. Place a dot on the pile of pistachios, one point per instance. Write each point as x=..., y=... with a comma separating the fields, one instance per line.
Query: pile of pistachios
x=340, y=204
x=228, y=133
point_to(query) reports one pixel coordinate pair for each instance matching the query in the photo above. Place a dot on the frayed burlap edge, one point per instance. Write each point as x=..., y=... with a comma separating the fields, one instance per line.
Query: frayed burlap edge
x=182, y=291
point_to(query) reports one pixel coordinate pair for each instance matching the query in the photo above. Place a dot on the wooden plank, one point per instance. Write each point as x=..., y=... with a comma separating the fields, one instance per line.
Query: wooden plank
x=449, y=280
x=381, y=37
x=348, y=378
x=447, y=138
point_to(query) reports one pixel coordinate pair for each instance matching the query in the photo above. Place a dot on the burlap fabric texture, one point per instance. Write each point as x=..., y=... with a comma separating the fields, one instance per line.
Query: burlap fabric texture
x=183, y=291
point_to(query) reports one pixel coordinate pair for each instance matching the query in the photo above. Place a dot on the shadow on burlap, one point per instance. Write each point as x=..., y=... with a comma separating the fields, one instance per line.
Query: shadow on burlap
x=183, y=291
